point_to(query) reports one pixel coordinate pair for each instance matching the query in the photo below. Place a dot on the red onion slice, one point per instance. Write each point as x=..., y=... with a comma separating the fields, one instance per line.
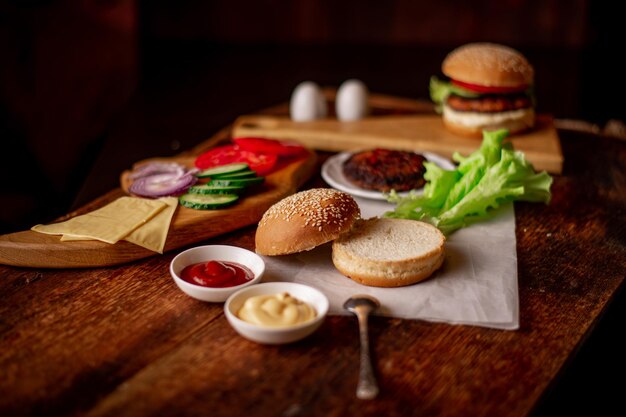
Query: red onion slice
x=160, y=179
x=155, y=168
x=162, y=185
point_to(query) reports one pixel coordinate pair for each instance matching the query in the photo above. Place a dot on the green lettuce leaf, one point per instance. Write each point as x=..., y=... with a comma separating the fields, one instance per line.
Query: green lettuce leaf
x=440, y=90
x=492, y=175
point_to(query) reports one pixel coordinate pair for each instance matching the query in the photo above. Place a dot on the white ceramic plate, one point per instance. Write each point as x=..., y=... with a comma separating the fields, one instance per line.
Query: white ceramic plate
x=332, y=172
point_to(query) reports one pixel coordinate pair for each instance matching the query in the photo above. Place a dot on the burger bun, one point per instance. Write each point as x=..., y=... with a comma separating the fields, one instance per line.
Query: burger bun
x=385, y=252
x=474, y=123
x=305, y=220
x=488, y=64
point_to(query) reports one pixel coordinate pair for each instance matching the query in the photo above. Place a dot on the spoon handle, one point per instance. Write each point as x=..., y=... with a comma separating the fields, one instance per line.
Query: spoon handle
x=367, y=388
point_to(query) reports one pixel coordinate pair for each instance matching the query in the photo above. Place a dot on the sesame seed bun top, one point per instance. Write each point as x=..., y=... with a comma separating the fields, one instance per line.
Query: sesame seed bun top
x=488, y=64
x=305, y=220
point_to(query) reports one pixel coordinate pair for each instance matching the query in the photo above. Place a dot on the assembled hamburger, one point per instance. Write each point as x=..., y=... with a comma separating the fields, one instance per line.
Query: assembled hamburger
x=489, y=87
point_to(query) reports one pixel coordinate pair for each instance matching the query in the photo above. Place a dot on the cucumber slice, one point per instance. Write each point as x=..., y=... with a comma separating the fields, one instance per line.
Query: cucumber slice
x=223, y=169
x=236, y=175
x=207, y=201
x=216, y=189
x=230, y=182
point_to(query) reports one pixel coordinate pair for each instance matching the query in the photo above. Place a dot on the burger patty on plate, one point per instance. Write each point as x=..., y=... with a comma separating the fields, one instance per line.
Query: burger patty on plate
x=489, y=103
x=385, y=170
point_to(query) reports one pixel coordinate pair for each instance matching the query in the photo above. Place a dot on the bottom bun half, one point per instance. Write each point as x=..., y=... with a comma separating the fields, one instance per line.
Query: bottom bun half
x=468, y=123
x=389, y=252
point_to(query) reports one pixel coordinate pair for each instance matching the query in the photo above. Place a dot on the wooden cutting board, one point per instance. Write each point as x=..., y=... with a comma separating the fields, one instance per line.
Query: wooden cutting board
x=32, y=249
x=424, y=132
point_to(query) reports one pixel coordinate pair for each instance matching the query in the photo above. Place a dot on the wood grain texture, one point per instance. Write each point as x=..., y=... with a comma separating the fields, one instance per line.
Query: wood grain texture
x=32, y=249
x=423, y=132
x=124, y=341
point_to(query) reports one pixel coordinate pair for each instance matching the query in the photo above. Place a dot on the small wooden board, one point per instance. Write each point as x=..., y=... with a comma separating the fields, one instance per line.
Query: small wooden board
x=411, y=132
x=32, y=249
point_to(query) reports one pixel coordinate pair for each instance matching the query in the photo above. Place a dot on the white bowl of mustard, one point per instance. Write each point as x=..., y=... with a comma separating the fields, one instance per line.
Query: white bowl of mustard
x=262, y=313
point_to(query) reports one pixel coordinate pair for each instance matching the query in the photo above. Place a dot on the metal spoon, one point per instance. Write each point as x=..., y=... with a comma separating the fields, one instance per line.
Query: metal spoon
x=362, y=306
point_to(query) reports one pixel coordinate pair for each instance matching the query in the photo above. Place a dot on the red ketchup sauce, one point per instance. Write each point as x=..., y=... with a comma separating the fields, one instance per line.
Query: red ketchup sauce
x=217, y=274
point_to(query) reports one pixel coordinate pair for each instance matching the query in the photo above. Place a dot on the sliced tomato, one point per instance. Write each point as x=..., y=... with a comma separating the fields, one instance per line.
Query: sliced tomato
x=261, y=163
x=220, y=155
x=489, y=90
x=263, y=145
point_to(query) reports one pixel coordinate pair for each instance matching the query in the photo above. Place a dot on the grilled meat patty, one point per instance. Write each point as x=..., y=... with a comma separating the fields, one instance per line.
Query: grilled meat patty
x=385, y=170
x=489, y=103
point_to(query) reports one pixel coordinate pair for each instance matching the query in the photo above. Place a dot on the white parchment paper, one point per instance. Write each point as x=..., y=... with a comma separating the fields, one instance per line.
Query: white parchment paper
x=477, y=284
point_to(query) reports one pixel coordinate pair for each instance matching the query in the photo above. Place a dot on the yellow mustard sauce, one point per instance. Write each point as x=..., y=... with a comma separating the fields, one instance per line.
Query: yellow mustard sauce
x=276, y=310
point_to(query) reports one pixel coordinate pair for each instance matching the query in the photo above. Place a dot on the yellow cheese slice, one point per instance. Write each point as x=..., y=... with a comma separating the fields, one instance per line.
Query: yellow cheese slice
x=153, y=234
x=109, y=223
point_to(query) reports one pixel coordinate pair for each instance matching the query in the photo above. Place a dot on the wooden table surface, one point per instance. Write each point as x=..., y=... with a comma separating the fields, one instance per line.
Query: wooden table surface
x=124, y=340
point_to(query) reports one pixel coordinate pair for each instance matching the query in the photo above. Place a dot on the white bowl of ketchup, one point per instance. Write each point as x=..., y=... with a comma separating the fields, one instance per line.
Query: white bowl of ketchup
x=213, y=272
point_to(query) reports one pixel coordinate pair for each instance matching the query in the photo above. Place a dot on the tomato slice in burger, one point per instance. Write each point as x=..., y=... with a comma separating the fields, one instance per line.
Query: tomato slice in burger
x=489, y=90
x=263, y=145
x=261, y=163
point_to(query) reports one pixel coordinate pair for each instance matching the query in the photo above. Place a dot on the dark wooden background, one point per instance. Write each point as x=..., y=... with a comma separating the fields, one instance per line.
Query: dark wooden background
x=88, y=87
